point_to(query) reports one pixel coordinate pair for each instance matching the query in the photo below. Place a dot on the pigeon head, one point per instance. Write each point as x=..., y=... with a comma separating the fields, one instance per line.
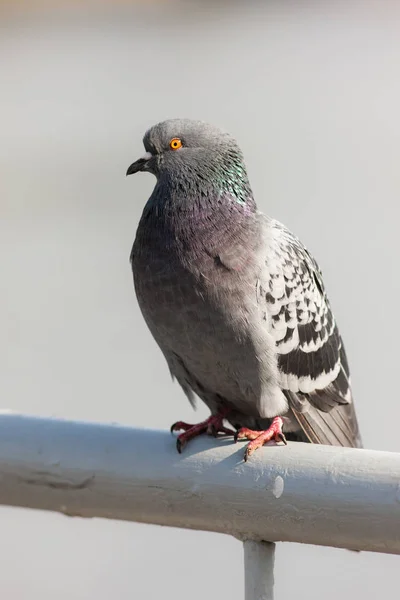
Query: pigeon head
x=194, y=156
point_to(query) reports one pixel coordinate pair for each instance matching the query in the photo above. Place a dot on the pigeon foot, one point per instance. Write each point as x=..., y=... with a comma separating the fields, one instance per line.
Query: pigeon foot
x=259, y=438
x=211, y=426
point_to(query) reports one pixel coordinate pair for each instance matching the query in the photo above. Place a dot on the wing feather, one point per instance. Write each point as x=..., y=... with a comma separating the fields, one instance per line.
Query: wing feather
x=312, y=363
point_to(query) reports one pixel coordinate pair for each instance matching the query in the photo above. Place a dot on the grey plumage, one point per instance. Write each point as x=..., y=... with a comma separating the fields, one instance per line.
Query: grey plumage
x=235, y=302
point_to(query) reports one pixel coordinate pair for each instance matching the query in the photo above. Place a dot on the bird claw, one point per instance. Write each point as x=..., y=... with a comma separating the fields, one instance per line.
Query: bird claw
x=212, y=426
x=180, y=425
x=259, y=438
x=212, y=430
x=247, y=453
x=180, y=444
x=280, y=437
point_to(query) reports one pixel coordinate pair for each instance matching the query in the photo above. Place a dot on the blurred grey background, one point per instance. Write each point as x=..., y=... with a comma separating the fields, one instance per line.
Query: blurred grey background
x=312, y=93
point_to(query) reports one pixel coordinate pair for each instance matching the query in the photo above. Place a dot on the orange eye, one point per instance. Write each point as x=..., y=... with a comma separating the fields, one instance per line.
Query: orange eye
x=175, y=144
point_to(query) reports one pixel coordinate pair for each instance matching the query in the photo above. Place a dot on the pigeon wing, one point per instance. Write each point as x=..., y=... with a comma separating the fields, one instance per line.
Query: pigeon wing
x=313, y=368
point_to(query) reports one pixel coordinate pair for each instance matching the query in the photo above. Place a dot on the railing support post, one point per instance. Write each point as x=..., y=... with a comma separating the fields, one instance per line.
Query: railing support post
x=259, y=559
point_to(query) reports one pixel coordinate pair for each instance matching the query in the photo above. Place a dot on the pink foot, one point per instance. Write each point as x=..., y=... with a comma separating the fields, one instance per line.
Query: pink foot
x=212, y=426
x=259, y=438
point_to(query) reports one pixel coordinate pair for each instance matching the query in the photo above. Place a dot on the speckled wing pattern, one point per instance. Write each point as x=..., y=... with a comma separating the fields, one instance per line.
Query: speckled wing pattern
x=313, y=368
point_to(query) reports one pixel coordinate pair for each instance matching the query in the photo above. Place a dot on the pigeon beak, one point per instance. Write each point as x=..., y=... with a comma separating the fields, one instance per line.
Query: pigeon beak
x=141, y=164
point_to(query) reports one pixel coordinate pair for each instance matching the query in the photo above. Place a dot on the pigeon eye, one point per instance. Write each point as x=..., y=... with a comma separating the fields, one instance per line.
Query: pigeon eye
x=175, y=144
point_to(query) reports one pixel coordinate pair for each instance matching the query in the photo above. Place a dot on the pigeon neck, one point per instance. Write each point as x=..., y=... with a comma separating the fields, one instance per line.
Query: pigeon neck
x=215, y=181
x=208, y=203
x=193, y=225
x=202, y=204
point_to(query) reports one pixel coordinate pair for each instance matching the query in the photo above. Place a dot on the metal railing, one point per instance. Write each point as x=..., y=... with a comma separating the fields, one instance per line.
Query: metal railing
x=300, y=493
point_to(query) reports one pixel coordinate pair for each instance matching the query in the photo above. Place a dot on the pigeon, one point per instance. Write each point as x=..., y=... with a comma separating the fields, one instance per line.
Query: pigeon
x=234, y=300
